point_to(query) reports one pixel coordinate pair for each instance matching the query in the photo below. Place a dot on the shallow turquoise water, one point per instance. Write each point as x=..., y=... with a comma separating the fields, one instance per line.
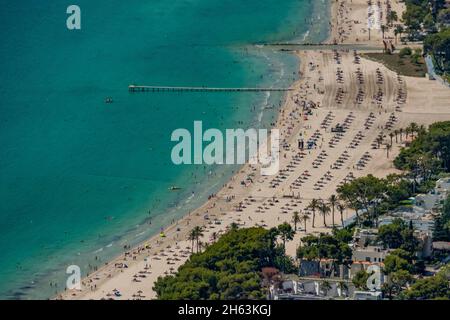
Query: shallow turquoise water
x=78, y=176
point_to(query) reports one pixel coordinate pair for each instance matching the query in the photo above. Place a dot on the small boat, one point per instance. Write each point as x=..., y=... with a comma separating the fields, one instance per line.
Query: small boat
x=174, y=188
x=108, y=100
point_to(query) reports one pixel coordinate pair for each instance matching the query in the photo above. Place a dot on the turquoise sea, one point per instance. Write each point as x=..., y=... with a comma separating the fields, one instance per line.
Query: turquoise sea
x=81, y=178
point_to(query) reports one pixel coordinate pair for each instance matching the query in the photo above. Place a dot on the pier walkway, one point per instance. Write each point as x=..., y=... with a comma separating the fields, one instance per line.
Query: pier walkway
x=136, y=88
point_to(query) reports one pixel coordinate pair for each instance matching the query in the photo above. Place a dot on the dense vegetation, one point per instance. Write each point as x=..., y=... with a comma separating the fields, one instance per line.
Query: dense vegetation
x=434, y=143
x=327, y=246
x=429, y=20
x=438, y=45
x=370, y=196
x=441, y=230
x=436, y=287
x=228, y=269
x=428, y=155
x=422, y=16
x=398, y=235
x=401, y=263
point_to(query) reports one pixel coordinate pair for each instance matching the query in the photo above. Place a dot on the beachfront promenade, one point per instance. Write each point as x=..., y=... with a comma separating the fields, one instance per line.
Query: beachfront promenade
x=136, y=88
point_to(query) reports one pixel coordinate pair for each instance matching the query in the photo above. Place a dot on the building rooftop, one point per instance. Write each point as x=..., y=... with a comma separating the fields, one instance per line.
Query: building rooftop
x=441, y=245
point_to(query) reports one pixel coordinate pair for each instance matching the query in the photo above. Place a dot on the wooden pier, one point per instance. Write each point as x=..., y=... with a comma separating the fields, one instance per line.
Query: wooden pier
x=136, y=88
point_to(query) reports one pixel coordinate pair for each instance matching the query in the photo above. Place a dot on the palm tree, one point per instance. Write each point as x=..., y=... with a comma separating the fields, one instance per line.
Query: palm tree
x=324, y=210
x=198, y=233
x=398, y=31
x=413, y=128
x=305, y=218
x=341, y=208
x=391, y=135
x=286, y=233
x=383, y=29
x=401, y=134
x=421, y=130
x=313, y=206
x=379, y=141
x=296, y=219
x=333, y=202
x=407, y=131
x=191, y=237
x=200, y=245
x=391, y=17
x=214, y=236
x=396, y=133
x=388, y=148
x=234, y=226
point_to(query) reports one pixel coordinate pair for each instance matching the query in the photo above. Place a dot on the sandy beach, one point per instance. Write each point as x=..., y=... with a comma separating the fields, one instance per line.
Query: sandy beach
x=350, y=21
x=336, y=87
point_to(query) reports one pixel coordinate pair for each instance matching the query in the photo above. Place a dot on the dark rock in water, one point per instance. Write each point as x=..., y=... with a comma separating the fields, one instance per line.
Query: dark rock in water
x=25, y=288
